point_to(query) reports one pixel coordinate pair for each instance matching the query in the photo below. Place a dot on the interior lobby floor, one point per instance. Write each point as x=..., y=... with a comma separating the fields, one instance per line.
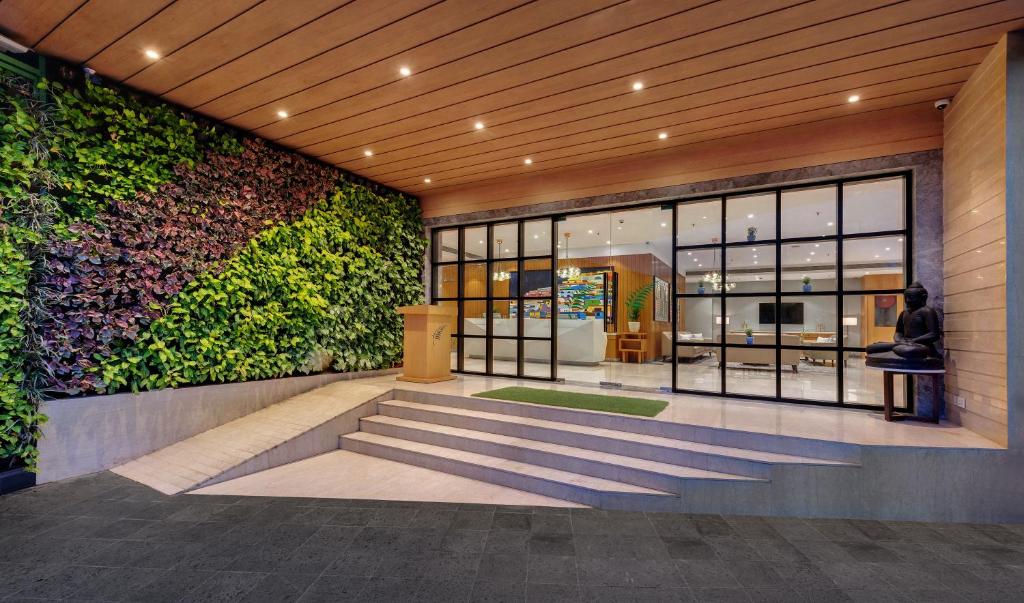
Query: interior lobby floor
x=105, y=538
x=840, y=425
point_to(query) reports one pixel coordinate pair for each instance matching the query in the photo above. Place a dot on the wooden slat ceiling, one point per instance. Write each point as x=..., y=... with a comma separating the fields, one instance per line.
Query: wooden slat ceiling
x=551, y=80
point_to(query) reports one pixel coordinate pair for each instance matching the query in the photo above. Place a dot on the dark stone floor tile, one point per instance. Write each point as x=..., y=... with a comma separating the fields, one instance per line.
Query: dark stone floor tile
x=279, y=588
x=485, y=591
x=620, y=547
x=351, y=517
x=706, y=574
x=502, y=568
x=686, y=548
x=511, y=521
x=448, y=567
x=721, y=595
x=65, y=582
x=776, y=551
x=117, y=584
x=839, y=530
x=120, y=529
x=464, y=541
x=17, y=576
x=712, y=526
x=854, y=575
x=868, y=551
x=551, y=525
x=823, y=551
x=328, y=589
x=753, y=528
x=507, y=542
x=734, y=548
x=551, y=544
x=755, y=574
x=226, y=586
x=46, y=549
x=167, y=586
x=398, y=517
x=552, y=593
x=613, y=524
x=355, y=563
x=552, y=569
x=444, y=591
x=674, y=525
x=390, y=590
x=663, y=595
x=434, y=518
x=875, y=530
x=467, y=519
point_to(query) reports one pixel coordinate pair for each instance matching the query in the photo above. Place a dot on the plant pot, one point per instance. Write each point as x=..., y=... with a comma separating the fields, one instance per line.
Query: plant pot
x=13, y=480
x=808, y=288
x=700, y=290
x=750, y=340
x=751, y=237
x=634, y=327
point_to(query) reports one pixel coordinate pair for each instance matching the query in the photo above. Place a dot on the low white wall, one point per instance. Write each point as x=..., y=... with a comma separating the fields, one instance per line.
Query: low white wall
x=94, y=433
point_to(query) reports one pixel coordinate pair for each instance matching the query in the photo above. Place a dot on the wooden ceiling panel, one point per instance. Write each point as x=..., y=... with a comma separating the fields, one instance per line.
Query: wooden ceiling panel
x=178, y=25
x=661, y=69
x=389, y=48
x=96, y=25
x=479, y=46
x=550, y=79
x=617, y=56
x=329, y=38
x=28, y=21
x=267, y=21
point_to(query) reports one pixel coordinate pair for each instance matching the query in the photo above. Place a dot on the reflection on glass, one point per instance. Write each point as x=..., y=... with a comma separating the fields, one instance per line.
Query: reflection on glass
x=474, y=362
x=808, y=267
x=453, y=307
x=474, y=318
x=750, y=218
x=506, y=354
x=811, y=317
x=538, y=237
x=698, y=369
x=874, y=206
x=809, y=212
x=817, y=378
x=699, y=222
x=537, y=359
x=864, y=386
x=446, y=246
x=751, y=268
x=502, y=276
x=474, y=280
x=475, y=245
x=446, y=281
x=701, y=270
x=873, y=263
x=700, y=320
x=506, y=240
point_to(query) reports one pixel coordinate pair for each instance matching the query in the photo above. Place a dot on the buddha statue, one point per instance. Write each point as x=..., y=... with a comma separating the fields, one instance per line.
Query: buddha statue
x=917, y=332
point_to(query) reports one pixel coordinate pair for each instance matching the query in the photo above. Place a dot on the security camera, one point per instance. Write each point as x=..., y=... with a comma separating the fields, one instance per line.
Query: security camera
x=942, y=104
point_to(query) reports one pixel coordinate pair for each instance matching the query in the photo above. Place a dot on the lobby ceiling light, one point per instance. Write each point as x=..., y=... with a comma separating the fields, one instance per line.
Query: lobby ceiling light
x=750, y=216
x=638, y=86
x=569, y=272
x=282, y=114
x=664, y=224
x=479, y=125
x=405, y=71
x=152, y=54
x=830, y=224
x=528, y=161
x=426, y=181
x=663, y=136
x=853, y=98
x=368, y=153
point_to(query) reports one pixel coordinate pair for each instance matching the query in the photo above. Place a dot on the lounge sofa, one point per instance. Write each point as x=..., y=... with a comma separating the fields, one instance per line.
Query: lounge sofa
x=684, y=352
x=752, y=355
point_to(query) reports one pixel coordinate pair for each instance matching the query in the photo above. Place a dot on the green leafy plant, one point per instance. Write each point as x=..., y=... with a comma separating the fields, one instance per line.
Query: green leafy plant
x=806, y=280
x=749, y=332
x=636, y=300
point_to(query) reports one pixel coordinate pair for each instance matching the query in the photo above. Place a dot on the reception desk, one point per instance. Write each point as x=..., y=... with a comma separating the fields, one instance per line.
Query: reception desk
x=579, y=341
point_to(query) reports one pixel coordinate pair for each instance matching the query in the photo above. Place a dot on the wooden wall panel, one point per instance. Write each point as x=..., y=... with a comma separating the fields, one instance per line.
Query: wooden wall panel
x=869, y=332
x=974, y=200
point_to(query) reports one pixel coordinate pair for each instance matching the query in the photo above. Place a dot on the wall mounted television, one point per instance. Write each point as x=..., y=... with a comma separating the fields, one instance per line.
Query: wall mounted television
x=789, y=313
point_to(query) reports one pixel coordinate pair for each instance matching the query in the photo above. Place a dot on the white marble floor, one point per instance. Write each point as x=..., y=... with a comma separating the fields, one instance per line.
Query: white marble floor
x=344, y=474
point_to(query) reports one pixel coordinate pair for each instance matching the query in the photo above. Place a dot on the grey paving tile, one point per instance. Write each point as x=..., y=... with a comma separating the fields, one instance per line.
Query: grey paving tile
x=552, y=569
x=511, y=521
x=620, y=547
x=498, y=592
x=868, y=551
x=226, y=586
x=468, y=519
x=444, y=591
x=751, y=574
x=551, y=524
x=687, y=548
x=721, y=595
x=507, y=541
x=706, y=574
x=503, y=568
x=551, y=544
x=327, y=589
x=390, y=589
x=167, y=586
x=552, y=593
x=279, y=588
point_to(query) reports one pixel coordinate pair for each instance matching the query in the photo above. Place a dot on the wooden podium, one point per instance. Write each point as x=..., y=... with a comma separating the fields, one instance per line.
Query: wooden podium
x=428, y=343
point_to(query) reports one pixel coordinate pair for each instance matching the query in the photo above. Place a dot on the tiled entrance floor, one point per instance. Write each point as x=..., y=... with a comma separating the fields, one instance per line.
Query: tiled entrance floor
x=840, y=425
x=104, y=537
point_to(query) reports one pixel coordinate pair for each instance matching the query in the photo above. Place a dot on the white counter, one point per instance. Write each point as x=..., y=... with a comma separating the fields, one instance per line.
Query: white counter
x=579, y=341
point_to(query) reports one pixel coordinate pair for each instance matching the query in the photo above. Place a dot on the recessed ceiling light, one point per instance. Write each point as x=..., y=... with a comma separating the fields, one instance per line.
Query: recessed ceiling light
x=689, y=253
x=638, y=86
x=876, y=255
x=663, y=135
x=528, y=161
x=536, y=236
x=754, y=249
x=755, y=255
x=664, y=224
x=817, y=244
x=808, y=259
x=888, y=248
x=481, y=242
x=831, y=224
x=900, y=240
x=853, y=98
x=750, y=216
x=405, y=71
x=479, y=125
x=282, y=114
x=700, y=265
x=755, y=261
x=703, y=217
x=426, y=181
x=590, y=232
x=368, y=153
x=607, y=242
x=152, y=54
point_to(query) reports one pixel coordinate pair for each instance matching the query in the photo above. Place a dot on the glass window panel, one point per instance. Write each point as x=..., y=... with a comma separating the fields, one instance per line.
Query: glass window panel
x=862, y=385
x=874, y=205
x=809, y=266
x=811, y=319
x=700, y=320
x=503, y=322
x=454, y=353
x=506, y=353
x=750, y=218
x=446, y=281
x=501, y=278
x=506, y=240
x=537, y=359
x=749, y=312
x=538, y=237
x=750, y=268
x=536, y=317
x=873, y=263
x=698, y=368
x=475, y=245
x=446, y=246
x=869, y=318
x=699, y=222
x=474, y=318
x=701, y=270
x=816, y=379
x=474, y=279
x=536, y=280
x=452, y=306
x=809, y=212
x=474, y=349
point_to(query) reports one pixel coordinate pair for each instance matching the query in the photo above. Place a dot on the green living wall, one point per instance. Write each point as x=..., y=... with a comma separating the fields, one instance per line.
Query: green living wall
x=145, y=248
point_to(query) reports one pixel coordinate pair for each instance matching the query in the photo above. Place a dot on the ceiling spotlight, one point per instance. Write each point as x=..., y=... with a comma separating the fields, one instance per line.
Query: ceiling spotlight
x=877, y=256
x=817, y=244
x=750, y=216
x=405, y=71
x=528, y=161
x=368, y=153
x=755, y=255
x=689, y=253
x=755, y=261
x=607, y=242
x=481, y=242
x=479, y=125
x=152, y=54
x=536, y=236
x=282, y=114
x=663, y=135
x=888, y=248
x=900, y=240
x=831, y=224
x=853, y=98
x=664, y=224
x=590, y=232
x=426, y=181
x=808, y=259
x=638, y=86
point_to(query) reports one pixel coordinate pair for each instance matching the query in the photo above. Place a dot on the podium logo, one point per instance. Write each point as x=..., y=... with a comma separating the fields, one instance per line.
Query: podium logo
x=438, y=332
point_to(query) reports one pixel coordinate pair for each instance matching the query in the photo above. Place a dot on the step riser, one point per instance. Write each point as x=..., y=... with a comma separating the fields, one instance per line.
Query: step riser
x=672, y=456
x=822, y=449
x=552, y=460
x=562, y=491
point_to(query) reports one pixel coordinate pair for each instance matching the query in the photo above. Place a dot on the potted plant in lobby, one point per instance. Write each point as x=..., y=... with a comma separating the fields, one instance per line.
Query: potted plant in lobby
x=700, y=287
x=807, y=284
x=751, y=233
x=635, y=304
x=750, y=335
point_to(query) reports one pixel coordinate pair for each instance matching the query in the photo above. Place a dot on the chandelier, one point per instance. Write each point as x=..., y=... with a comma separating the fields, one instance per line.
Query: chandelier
x=716, y=281
x=500, y=275
x=569, y=272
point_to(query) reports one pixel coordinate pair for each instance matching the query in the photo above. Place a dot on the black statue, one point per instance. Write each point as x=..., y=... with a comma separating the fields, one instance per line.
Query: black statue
x=917, y=332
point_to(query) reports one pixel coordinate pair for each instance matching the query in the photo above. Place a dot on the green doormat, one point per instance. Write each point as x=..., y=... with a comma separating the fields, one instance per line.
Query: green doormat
x=621, y=404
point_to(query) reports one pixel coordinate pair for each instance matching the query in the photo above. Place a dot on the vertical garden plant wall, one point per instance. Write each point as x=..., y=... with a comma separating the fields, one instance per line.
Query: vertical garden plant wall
x=169, y=251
